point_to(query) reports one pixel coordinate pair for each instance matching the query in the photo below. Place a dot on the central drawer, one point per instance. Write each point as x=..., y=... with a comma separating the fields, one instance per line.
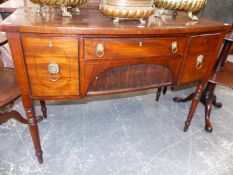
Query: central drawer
x=52, y=65
x=112, y=48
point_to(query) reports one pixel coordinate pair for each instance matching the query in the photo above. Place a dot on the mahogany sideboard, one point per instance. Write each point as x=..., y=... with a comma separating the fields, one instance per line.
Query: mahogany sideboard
x=64, y=58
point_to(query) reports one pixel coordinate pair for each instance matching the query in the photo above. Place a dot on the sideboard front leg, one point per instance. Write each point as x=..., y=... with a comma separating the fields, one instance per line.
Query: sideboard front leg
x=194, y=104
x=33, y=127
x=158, y=94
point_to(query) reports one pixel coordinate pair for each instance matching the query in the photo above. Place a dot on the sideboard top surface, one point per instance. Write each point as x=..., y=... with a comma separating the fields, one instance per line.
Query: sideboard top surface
x=92, y=21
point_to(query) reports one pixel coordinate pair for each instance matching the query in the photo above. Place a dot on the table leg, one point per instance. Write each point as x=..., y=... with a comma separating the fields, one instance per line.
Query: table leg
x=195, y=101
x=12, y=115
x=188, y=98
x=33, y=127
x=208, y=99
x=208, y=108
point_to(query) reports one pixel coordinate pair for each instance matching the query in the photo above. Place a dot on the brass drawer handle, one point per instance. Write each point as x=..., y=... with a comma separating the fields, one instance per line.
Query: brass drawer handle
x=53, y=69
x=100, y=50
x=199, y=61
x=174, y=47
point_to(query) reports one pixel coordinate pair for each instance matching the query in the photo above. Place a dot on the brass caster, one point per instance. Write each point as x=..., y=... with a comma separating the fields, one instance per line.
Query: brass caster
x=158, y=13
x=142, y=21
x=116, y=20
x=192, y=17
x=77, y=10
x=65, y=12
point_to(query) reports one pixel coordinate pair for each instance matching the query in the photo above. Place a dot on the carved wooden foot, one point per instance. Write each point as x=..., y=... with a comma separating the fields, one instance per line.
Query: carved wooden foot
x=188, y=98
x=12, y=114
x=194, y=104
x=43, y=109
x=217, y=104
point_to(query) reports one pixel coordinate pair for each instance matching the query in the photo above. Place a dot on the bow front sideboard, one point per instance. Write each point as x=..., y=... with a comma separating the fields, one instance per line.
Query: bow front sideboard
x=59, y=58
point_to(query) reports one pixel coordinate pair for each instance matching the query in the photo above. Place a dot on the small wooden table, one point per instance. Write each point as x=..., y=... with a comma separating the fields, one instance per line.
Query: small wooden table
x=86, y=55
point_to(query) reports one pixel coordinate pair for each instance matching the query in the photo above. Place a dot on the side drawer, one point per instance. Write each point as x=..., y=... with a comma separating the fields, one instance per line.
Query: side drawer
x=52, y=65
x=114, y=48
x=200, y=58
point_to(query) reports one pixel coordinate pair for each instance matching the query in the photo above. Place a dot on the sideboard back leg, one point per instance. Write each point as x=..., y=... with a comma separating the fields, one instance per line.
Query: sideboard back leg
x=195, y=101
x=164, y=90
x=33, y=127
x=43, y=108
x=158, y=94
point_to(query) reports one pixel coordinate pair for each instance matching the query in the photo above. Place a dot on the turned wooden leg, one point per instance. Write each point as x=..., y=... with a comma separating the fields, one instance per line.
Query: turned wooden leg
x=194, y=104
x=43, y=108
x=12, y=114
x=188, y=98
x=33, y=127
x=158, y=94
